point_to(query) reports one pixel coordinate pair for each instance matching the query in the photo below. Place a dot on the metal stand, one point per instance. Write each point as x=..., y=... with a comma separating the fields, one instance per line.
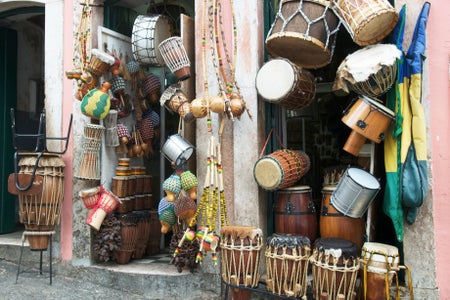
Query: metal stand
x=25, y=233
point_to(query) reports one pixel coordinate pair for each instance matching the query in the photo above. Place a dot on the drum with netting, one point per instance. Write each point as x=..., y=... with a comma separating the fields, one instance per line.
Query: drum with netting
x=148, y=32
x=175, y=57
x=367, y=21
x=281, y=82
x=287, y=261
x=89, y=162
x=106, y=204
x=304, y=32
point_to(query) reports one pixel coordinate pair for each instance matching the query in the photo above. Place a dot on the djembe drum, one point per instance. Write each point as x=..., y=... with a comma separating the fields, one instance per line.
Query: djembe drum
x=90, y=197
x=99, y=62
x=304, y=31
x=240, y=248
x=175, y=57
x=335, y=265
x=40, y=212
x=287, y=261
x=89, y=163
x=106, y=204
x=176, y=102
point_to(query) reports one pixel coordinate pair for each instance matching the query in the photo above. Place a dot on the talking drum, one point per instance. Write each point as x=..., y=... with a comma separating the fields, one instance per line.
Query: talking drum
x=148, y=32
x=367, y=21
x=335, y=265
x=280, y=169
x=367, y=119
x=40, y=212
x=281, y=82
x=304, y=32
x=240, y=248
x=287, y=261
x=177, y=149
x=354, y=193
x=107, y=203
x=175, y=57
x=380, y=262
x=370, y=71
x=294, y=212
x=334, y=224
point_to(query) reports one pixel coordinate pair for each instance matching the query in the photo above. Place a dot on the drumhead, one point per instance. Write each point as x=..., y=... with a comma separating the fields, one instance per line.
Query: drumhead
x=268, y=173
x=275, y=79
x=363, y=178
x=298, y=188
x=379, y=106
x=328, y=189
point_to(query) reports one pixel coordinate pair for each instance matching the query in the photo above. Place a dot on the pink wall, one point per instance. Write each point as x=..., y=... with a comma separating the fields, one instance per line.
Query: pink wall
x=438, y=35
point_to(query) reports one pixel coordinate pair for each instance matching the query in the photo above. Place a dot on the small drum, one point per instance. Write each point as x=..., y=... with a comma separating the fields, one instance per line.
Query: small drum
x=147, y=184
x=304, y=32
x=368, y=119
x=380, y=262
x=280, y=169
x=107, y=203
x=41, y=212
x=294, y=212
x=148, y=204
x=99, y=62
x=176, y=102
x=281, y=82
x=89, y=163
x=354, y=193
x=119, y=186
x=370, y=71
x=177, y=149
x=124, y=206
x=175, y=57
x=334, y=224
x=367, y=21
x=139, y=202
x=132, y=182
x=287, y=261
x=90, y=197
x=240, y=248
x=335, y=265
x=148, y=32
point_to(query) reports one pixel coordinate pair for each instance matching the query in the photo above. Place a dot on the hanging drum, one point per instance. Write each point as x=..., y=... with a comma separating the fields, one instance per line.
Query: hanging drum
x=148, y=32
x=367, y=21
x=304, y=32
x=175, y=56
x=368, y=119
x=177, y=149
x=370, y=71
x=176, y=101
x=354, y=193
x=281, y=82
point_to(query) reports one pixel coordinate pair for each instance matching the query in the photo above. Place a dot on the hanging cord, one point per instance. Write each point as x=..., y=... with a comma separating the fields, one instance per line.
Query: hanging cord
x=82, y=38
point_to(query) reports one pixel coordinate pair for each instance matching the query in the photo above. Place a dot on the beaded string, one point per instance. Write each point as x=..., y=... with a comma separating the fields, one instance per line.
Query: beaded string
x=82, y=38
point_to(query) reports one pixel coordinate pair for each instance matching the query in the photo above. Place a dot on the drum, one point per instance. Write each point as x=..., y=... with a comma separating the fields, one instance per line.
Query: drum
x=177, y=149
x=139, y=202
x=143, y=234
x=40, y=212
x=335, y=264
x=90, y=197
x=124, y=206
x=128, y=238
x=176, y=102
x=147, y=184
x=287, y=261
x=107, y=203
x=334, y=224
x=240, y=248
x=368, y=119
x=148, y=32
x=367, y=21
x=280, y=169
x=175, y=57
x=281, y=82
x=148, y=204
x=370, y=71
x=304, y=32
x=119, y=186
x=380, y=262
x=99, y=62
x=155, y=234
x=89, y=163
x=294, y=212
x=354, y=193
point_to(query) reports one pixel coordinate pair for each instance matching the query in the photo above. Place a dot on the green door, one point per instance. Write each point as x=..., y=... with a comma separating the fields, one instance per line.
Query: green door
x=8, y=74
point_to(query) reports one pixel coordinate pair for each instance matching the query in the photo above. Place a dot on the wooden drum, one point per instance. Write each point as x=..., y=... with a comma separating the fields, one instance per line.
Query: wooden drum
x=294, y=212
x=334, y=224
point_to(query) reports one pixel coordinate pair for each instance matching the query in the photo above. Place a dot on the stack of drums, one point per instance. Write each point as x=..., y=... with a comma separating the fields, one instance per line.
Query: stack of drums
x=143, y=195
x=122, y=185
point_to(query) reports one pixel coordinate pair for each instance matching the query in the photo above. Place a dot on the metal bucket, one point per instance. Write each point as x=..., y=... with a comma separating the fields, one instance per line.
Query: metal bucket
x=177, y=149
x=354, y=193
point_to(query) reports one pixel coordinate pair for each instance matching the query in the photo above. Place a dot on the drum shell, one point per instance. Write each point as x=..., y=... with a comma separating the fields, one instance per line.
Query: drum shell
x=369, y=118
x=334, y=224
x=294, y=212
x=119, y=186
x=309, y=47
x=354, y=193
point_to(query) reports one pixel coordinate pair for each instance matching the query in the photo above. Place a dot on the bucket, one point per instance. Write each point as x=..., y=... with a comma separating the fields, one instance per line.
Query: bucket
x=177, y=149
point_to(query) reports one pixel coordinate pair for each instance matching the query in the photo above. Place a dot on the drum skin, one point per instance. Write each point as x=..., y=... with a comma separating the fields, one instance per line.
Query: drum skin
x=294, y=212
x=334, y=224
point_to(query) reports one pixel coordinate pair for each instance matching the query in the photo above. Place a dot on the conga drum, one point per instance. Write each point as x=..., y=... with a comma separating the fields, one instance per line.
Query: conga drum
x=368, y=119
x=281, y=82
x=175, y=57
x=367, y=21
x=294, y=212
x=334, y=224
x=335, y=264
x=304, y=32
x=40, y=213
x=380, y=262
x=240, y=248
x=287, y=261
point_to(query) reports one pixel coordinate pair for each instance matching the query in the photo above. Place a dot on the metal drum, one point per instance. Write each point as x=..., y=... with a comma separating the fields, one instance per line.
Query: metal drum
x=177, y=149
